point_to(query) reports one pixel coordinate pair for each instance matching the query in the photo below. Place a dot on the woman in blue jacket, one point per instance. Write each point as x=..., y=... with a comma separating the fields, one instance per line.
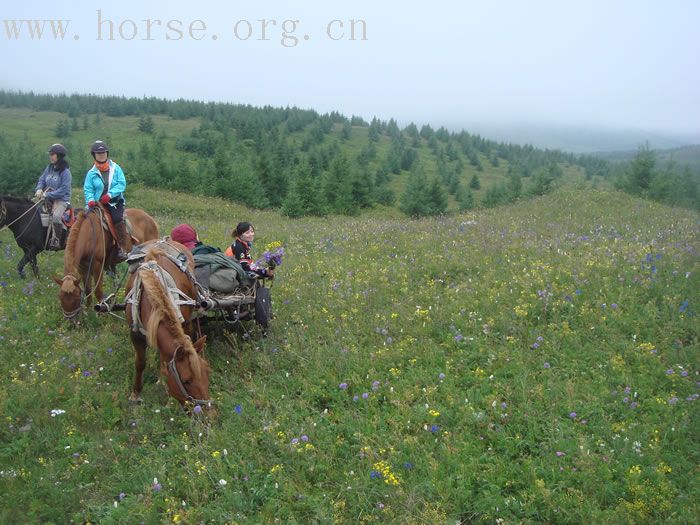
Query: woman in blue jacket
x=105, y=183
x=54, y=186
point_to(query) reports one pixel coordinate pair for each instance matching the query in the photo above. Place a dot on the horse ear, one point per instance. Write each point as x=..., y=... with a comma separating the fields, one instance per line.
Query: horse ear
x=199, y=344
x=58, y=281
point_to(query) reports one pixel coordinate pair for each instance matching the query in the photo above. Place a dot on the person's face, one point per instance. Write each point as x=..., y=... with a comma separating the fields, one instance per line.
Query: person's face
x=101, y=156
x=249, y=235
x=53, y=158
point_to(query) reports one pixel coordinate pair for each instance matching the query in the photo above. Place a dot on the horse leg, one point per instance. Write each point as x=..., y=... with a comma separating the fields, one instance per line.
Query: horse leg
x=23, y=262
x=98, y=287
x=35, y=265
x=139, y=344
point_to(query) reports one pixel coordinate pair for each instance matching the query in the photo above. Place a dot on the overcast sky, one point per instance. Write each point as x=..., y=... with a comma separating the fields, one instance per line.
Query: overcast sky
x=616, y=64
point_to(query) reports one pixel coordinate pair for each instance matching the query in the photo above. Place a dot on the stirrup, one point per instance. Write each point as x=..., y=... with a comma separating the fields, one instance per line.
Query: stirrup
x=54, y=244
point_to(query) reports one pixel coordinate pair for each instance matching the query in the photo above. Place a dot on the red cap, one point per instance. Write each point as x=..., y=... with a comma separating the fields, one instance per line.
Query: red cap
x=184, y=234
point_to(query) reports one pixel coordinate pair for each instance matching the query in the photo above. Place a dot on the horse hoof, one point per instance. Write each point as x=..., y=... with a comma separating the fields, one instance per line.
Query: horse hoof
x=135, y=401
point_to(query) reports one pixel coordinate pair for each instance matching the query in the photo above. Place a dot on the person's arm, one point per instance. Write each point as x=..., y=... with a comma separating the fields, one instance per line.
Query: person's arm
x=42, y=180
x=88, y=190
x=118, y=182
x=63, y=191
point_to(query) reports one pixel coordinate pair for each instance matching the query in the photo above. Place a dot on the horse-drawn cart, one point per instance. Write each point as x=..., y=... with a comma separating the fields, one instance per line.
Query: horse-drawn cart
x=244, y=304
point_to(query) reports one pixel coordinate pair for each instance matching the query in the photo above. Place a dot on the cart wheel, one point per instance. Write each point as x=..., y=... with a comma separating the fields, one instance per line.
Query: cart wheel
x=263, y=307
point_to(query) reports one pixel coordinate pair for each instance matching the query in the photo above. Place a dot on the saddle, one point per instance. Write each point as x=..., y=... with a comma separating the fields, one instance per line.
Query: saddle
x=68, y=218
x=108, y=225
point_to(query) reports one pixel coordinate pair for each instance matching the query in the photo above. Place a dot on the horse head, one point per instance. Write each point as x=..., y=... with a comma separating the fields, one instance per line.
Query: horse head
x=187, y=374
x=69, y=295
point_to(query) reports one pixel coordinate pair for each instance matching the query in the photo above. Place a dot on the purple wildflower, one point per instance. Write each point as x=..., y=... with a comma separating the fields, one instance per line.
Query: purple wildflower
x=572, y=415
x=304, y=438
x=365, y=395
x=121, y=496
x=238, y=409
x=441, y=376
x=197, y=409
x=547, y=365
x=295, y=441
x=434, y=428
x=343, y=386
x=560, y=454
x=375, y=385
x=459, y=337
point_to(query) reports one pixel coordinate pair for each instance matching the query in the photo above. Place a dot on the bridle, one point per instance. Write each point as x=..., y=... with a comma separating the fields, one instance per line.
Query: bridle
x=73, y=313
x=176, y=376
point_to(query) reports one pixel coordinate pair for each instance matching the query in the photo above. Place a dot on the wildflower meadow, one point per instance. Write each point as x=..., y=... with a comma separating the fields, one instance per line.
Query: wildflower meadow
x=530, y=363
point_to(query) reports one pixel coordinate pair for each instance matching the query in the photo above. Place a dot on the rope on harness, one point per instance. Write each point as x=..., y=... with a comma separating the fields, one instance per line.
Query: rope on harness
x=177, y=297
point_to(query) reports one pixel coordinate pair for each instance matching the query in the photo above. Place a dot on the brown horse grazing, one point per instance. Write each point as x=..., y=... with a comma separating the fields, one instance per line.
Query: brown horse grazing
x=154, y=321
x=89, y=249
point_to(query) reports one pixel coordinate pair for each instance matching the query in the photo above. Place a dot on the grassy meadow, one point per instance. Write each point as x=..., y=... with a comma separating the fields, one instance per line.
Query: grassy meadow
x=530, y=363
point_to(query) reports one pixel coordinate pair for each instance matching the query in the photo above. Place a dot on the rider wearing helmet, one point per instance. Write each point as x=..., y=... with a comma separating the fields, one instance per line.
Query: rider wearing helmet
x=105, y=183
x=55, y=186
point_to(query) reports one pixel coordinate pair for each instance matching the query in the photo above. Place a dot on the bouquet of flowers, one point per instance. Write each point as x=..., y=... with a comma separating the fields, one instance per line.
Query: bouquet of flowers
x=272, y=257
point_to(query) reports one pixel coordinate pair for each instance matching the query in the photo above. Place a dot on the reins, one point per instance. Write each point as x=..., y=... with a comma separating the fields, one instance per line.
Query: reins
x=4, y=214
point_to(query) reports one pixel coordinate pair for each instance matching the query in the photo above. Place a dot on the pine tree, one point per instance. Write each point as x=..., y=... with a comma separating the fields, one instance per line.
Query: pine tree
x=465, y=200
x=475, y=183
x=304, y=197
x=413, y=201
x=146, y=124
x=436, y=197
x=641, y=171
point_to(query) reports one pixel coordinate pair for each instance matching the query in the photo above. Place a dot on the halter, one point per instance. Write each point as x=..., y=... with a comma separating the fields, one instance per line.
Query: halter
x=73, y=313
x=176, y=375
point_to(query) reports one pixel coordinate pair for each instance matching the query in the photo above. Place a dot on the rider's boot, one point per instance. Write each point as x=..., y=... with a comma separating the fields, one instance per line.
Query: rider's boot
x=122, y=242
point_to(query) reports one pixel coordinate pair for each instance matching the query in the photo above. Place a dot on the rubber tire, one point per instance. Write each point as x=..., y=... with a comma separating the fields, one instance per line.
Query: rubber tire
x=263, y=307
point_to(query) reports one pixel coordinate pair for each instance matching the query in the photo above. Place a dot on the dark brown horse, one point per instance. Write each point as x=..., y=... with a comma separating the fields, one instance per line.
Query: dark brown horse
x=154, y=321
x=23, y=217
x=90, y=249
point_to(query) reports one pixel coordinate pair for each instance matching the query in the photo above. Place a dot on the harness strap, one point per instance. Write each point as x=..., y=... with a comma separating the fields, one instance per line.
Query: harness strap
x=177, y=297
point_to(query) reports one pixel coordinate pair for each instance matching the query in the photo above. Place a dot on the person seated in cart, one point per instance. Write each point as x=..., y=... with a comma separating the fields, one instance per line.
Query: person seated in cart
x=188, y=237
x=243, y=236
x=213, y=270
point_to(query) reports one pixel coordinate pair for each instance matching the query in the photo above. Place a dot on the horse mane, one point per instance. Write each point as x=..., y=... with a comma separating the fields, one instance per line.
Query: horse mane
x=69, y=256
x=17, y=200
x=162, y=310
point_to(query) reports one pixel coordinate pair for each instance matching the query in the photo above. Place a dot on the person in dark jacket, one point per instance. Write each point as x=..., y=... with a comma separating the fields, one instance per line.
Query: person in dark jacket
x=55, y=186
x=240, y=249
